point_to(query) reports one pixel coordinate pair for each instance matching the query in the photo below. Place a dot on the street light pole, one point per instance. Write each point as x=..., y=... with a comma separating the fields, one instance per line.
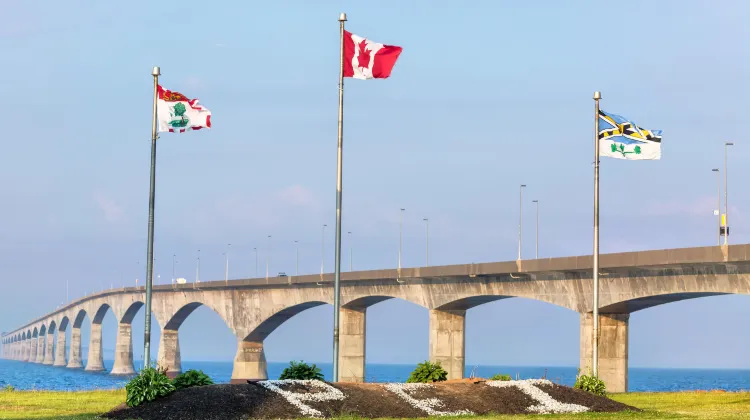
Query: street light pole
x=718, y=205
x=173, y=263
x=226, y=265
x=322, y=249
x=537, y=227
x=520, y=217
x=268, y=255
x=426, y=242
x=296, y=246
x=256, y=262
x=400, y=238
x=198, y=268
x=726, y=200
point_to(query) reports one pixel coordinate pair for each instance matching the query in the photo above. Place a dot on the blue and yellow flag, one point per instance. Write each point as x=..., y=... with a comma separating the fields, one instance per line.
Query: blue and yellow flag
x=622, y=139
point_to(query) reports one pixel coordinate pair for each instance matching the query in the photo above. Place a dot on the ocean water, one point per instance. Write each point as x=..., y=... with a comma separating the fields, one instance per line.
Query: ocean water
x=27, y=376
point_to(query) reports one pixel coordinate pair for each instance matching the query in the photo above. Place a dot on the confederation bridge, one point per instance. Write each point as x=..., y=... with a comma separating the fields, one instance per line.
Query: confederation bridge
x=254, y=308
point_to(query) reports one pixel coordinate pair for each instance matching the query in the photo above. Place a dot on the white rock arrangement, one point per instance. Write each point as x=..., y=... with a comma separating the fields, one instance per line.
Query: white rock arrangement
x=328, y=393
x=546, y=404
x=428, y=405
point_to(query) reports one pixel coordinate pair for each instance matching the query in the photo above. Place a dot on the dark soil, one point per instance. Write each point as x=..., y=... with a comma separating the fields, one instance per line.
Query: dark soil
x=246, y=401
x=586, y=399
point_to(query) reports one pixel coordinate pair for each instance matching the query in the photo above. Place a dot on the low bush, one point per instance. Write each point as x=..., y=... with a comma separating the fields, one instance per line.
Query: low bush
x=501, y=377
x=9, y=388
x=301, y=370
x=590, y=383
x=428, y=372
x=150, y=383
x=191, y=378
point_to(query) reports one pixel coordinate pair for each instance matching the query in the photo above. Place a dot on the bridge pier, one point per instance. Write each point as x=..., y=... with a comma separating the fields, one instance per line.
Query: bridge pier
x=123, y=351
x=75, y=349
x=447, y=340
x=352, y=345
x=40, y=349
x=49, y=357
x=613, y=349
x=169, y=352
x=60, y=349
x=249, y=363
x=33, y=349
x=95, y=362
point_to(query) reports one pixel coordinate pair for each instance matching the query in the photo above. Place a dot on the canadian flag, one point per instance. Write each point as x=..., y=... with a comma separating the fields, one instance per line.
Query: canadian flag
x=364, y=59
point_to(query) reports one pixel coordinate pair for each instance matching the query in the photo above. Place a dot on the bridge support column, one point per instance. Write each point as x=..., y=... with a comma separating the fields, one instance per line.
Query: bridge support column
x=75, y=349
x=123, y=351
x=613, y=349
x=33, y=349
x=169, y=353
x=352, y=345
x=25, y=350
x=60, y=350
x=40, y=349
x=95, y=362
x=249, y=363
x=447, y=341
x=49, y=356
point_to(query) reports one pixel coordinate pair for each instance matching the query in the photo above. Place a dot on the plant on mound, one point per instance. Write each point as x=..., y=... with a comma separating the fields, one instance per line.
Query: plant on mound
x=150, y=384
x=428, y=372
x=9, y=388
x=501, y=377
x=301, y=370
x=190, y=378
x=590, y=383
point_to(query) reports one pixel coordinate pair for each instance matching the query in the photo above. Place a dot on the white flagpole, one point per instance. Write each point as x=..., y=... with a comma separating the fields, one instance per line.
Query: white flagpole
x=595, y=349
x=337, y=272
x=150, y=249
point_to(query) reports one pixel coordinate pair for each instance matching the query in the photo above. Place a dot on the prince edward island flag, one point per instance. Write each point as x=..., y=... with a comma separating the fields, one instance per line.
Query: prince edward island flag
x=622, y=139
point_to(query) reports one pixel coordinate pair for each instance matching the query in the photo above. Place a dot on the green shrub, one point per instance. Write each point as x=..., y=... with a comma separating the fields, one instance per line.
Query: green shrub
x=301, y=370
x=190, y=378
x=9, y=388
x=590, y=383
x=501, y=377
x=428, y=372
x=150, y=384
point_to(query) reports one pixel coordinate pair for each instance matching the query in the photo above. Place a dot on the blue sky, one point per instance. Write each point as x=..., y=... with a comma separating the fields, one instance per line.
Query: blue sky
x=486, y=96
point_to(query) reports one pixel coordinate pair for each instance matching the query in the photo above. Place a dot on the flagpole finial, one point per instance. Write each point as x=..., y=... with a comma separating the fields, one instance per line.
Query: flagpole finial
x=342, y=17
x=597, y=95
x=156, y=71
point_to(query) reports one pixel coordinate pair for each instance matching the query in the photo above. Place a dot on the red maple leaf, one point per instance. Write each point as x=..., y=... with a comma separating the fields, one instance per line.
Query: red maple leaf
x=364, y=55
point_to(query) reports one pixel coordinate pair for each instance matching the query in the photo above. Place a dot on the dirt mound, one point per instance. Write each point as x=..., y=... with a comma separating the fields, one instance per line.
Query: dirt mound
x=296, y=399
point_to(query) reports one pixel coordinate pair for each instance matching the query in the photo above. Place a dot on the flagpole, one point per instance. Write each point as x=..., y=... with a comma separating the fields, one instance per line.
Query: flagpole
x=337, y=268
x=595, y=349
x=150, y=249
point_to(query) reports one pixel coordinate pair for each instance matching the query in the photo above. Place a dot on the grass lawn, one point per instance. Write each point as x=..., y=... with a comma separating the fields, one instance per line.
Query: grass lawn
x=681, y=405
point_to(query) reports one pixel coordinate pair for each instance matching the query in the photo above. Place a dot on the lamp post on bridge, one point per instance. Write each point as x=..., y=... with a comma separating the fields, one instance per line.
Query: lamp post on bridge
x=322, y=250
x=726, y=200
x=256, y=261
x=520, y=217
x=537, y=228
x=268, y=254
x=226, y=266
x=174, y=261
x=718, y=204
x=198, y=268
x=400, y=238
x=426, y=242
x=296, y=257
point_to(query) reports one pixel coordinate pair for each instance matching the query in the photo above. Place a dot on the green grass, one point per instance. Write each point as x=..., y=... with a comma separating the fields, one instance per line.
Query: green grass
x=680, y=405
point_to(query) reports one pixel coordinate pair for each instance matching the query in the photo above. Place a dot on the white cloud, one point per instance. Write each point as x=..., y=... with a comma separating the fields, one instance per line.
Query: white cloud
x=111, y=211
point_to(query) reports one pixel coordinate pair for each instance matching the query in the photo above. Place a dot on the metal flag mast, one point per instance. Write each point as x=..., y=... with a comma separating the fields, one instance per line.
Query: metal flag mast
x=337, y=268
x=595, y=348
x=150, y=249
